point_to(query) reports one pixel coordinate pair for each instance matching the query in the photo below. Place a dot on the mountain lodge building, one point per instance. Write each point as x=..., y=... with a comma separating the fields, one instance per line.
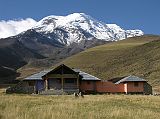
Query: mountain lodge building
x=63, y=79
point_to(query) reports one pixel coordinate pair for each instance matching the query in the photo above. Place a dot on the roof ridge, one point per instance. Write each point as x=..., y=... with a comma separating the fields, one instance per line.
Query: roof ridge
x=130, y=78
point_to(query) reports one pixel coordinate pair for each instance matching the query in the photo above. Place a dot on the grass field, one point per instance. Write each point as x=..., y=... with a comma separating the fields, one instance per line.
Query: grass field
x=89, y=107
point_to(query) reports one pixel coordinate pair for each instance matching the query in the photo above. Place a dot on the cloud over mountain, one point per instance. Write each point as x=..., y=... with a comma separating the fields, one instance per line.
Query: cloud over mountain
x=14, y=27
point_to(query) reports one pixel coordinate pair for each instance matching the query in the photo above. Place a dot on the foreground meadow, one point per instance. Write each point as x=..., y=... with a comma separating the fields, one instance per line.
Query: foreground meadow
x=90, y=107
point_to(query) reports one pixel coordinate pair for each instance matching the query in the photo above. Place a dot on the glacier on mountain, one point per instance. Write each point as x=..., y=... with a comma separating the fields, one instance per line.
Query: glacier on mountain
x=76, y=24
x=74, y=28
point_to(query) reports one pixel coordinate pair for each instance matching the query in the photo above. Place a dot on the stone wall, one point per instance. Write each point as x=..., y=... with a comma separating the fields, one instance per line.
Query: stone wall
x=21, y=87
x=147, y=88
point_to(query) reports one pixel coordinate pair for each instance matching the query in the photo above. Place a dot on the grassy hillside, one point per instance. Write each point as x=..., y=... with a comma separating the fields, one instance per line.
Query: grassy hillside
x=135, y=56
x=89, y=107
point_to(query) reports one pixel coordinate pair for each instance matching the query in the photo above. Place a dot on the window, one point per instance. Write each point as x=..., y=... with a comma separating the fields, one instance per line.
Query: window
x=88, y=82
x=69, y=81
x=58, y=80
x=135, y=84
x=31, y=83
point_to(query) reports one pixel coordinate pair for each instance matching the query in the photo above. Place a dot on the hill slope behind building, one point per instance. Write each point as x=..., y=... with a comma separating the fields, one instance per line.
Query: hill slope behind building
x=138, y=56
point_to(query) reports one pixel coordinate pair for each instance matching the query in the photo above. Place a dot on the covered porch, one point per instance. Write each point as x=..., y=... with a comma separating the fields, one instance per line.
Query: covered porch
x=62, y=78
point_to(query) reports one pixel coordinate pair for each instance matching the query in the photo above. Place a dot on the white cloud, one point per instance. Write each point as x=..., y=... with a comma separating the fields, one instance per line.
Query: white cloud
x=14, y=27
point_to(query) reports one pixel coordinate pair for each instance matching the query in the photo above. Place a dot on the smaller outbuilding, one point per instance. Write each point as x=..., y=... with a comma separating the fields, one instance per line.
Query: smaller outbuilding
x=133, y=84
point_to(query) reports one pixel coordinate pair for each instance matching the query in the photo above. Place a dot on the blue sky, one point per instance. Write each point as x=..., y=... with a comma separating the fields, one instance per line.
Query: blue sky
x=129, y=14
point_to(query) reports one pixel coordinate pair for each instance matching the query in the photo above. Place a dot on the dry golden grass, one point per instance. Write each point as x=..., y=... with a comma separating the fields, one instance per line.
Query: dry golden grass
x=89, y=107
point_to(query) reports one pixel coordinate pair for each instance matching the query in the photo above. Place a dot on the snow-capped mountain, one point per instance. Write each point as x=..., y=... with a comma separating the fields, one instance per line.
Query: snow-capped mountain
x=58, y=37
x=54, y=38
x=77, y=27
